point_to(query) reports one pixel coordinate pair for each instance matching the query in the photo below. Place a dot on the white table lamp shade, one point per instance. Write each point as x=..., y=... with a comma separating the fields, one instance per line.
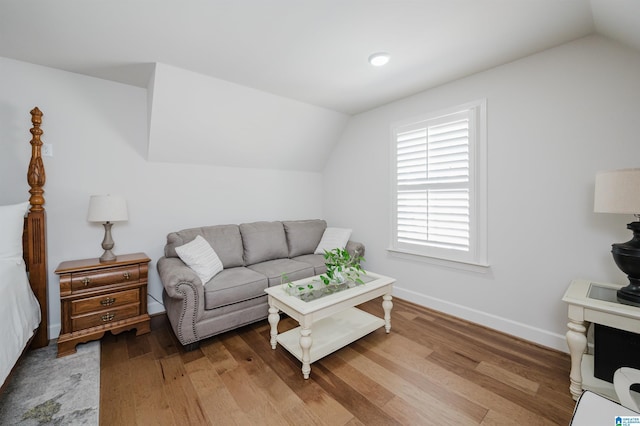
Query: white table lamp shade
x=617, y=191
x=107, y=208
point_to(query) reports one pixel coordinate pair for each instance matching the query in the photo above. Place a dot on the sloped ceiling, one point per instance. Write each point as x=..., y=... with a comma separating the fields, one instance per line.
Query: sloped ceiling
x=310, y=52
x=203, y=120
x=313, y=51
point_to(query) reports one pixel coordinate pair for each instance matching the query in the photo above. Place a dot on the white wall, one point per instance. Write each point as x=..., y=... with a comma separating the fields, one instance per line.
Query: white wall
x=554, y=119
x=98, y=130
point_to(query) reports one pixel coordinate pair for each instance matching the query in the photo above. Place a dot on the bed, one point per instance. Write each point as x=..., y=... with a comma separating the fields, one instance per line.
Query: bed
x=23, y=265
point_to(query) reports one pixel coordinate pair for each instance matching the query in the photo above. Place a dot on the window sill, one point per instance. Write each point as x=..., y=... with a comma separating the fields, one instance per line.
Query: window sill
x=453, y=264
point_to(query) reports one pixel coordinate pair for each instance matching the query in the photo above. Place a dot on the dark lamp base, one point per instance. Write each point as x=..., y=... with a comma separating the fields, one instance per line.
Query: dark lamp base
x=627, y=257
x=627, y=296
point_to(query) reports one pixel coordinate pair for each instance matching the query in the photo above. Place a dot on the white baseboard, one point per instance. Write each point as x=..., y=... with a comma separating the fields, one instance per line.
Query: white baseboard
x=523, y=331
x=155, y=307
x=54, y=331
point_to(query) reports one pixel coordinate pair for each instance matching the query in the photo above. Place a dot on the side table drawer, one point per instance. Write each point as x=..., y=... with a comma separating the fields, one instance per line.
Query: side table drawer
x=105, y=301
x=117, y=275
x=105, y=317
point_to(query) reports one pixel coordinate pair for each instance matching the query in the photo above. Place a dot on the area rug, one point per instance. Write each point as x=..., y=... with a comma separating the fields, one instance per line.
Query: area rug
x=45, y=390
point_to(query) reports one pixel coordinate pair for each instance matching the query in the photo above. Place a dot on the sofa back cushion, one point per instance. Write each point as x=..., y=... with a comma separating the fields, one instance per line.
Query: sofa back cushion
x=224, y=239
x=263, y=241
x=303, y=236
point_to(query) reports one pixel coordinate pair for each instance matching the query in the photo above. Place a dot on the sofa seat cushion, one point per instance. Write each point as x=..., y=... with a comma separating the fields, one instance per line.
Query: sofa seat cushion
x=263, y=241
x=315, y=260
x=224, y=239
x=232, y=286
x=303, y=236
x=220, y=320
x=273, y=270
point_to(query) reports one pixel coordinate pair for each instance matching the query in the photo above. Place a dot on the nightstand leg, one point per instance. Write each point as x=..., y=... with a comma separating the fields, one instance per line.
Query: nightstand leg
x=66, y=348
x=143, y=327
x=577, y=342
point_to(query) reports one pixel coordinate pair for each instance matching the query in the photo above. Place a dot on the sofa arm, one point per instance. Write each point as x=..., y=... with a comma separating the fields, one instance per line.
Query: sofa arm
x=184, y=294
x=353, y=246
x=174, y=272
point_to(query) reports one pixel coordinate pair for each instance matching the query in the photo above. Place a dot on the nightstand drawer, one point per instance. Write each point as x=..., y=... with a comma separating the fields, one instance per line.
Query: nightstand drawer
x=105, y=317
x=97, y=278
x=105, y=301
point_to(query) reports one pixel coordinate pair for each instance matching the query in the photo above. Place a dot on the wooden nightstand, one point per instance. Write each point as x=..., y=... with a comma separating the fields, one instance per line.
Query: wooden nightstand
x=97, y=297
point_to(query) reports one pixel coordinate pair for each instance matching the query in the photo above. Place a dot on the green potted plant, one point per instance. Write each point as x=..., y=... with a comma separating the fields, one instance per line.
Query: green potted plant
x=291, y=289
x=342, y=267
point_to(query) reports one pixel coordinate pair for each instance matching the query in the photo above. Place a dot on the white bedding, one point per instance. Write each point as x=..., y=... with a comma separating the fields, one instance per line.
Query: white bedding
x=19, y=313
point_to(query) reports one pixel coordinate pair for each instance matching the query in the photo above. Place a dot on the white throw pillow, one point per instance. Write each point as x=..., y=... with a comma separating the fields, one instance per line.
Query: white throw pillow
x=11, y=228
x=333, y=238
x=200, y=256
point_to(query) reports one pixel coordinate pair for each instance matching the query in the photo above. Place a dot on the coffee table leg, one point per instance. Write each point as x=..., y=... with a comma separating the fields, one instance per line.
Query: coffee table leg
x=305, y=344
x=274, y=319
x=387, y=304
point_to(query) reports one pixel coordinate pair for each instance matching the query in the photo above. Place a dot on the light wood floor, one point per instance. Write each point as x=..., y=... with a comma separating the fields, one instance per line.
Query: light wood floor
x=432, y=369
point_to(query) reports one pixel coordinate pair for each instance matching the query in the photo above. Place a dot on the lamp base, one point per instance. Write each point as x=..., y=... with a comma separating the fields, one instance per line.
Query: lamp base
x=629, y=295
x=107, y=244
x=107, y=256
x=627, y=257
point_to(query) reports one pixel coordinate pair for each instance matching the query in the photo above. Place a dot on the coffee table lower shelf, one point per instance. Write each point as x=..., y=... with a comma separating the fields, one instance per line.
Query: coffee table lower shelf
x=332, y=333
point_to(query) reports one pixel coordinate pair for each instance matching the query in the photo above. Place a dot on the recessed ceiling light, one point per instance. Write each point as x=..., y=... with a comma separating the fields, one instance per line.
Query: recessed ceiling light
x=379, y=59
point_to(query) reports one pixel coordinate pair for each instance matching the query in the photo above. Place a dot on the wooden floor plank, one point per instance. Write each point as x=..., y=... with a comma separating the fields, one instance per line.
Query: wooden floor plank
x=180, y=391
x=115, y=376
x=521, y=383
x=316, y=400
x=358, y=380
x=361, y=407
x=432, y=369
x=425, y=402
x=148, y=392
x=417, y=371
x=218, y=405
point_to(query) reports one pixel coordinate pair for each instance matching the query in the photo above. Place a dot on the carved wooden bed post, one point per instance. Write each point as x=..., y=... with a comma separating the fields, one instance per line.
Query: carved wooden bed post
x=36, y=246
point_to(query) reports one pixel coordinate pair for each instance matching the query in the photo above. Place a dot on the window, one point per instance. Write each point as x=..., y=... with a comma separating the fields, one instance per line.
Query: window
x=439, y=189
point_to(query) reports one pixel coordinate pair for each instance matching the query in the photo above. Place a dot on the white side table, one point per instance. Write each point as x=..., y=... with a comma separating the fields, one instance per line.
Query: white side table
x=596, y=303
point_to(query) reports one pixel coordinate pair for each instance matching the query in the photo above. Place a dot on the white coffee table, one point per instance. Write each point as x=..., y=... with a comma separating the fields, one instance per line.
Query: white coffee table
x=334, y=319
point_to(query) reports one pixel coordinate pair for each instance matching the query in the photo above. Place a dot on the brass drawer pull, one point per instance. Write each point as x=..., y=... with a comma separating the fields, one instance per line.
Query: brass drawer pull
x=86, y=281
x=126, y=275
x=108, y=301
x=108, y=317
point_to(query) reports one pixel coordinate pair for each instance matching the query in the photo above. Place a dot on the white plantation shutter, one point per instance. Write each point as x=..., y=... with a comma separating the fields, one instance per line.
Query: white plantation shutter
x=434, y=186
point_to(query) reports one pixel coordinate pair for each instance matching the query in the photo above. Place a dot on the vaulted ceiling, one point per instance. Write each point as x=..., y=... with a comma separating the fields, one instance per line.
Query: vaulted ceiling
x=311, y=51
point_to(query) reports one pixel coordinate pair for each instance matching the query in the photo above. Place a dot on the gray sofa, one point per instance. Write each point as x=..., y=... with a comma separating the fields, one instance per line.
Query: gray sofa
x=254, y=256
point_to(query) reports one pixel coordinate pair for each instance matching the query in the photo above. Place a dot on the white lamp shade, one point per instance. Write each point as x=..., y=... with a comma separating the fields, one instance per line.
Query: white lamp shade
x=617, y=191
x=107, y=208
